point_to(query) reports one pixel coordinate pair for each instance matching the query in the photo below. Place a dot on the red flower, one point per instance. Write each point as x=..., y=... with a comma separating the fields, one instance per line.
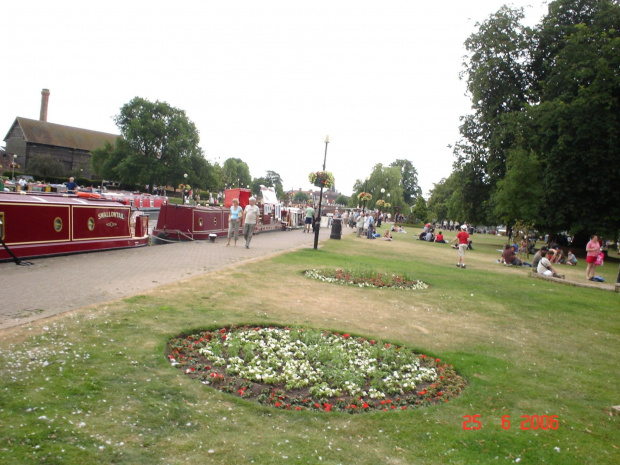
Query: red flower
x=297, y=408
x=404, y=407
x=393, y=407
x=439, y=394
x=346, y=335
x=421, y=393
x=223, y=331
x=365, y=405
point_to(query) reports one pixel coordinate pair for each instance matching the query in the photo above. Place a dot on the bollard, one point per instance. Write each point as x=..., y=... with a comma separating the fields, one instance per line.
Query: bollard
x=336, y=228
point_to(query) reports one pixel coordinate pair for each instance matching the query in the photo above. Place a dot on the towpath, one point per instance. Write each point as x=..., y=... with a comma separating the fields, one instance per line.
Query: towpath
x=60, y=284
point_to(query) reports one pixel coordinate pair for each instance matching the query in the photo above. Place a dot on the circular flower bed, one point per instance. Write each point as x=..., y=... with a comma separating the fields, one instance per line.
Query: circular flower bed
x=366, y=279
x=309, y=369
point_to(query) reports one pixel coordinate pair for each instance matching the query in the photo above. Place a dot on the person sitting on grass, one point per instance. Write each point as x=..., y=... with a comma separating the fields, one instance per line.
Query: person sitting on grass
x=545, y=267
x=572, y=260
x=523, y=249
x=537, y=257
x=439, y=238
x=387, y=236
x=509, y=256
x=558, y=255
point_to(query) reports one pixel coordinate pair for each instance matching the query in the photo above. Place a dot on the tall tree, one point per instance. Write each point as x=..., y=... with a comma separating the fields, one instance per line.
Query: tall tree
x=157, y=145
x=381, y=177
x=420, y=211
x=546, y=102
x=497, y=80
x=576, y=123
x=301, y=197
x=236, y=173
x=275, y=180
x=256, y=183
x=342, y=200
x=519, y=193
x=409, y=176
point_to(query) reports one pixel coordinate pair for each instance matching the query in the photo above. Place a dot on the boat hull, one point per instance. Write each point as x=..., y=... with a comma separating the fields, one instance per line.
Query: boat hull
x=186, y=222
x=39, y=225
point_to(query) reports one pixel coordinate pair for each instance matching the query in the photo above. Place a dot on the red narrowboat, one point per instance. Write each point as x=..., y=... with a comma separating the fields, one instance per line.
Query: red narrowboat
x=39, y=224
x=188, y=222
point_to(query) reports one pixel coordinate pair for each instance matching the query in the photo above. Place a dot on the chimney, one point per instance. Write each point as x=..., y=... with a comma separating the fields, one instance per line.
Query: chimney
x=45, y=96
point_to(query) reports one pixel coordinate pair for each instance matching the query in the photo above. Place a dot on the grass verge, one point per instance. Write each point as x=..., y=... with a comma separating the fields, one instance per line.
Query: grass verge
x=94, y=385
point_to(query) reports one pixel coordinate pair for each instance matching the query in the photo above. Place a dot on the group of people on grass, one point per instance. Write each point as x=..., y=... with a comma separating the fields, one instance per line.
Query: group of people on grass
x=544, y=261
x=547, y=258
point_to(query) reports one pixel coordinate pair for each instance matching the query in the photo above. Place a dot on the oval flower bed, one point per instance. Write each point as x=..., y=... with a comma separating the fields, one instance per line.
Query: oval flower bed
x=309, y=369
x=366, y=279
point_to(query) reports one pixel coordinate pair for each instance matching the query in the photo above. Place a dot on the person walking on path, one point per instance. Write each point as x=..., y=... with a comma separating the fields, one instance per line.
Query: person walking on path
x=593, y=248
x=309, y=218
x=234, y=220
x=463, y=238
x=250, y=219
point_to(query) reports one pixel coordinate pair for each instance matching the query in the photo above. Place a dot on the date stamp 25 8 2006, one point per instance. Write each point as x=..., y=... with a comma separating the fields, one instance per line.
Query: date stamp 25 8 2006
x=528, y=422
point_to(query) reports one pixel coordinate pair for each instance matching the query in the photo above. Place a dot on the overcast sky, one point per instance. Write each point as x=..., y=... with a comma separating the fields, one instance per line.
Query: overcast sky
x=263, y=80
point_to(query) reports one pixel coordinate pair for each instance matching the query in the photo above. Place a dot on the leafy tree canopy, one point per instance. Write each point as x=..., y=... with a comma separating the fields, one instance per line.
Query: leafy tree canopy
x=342, y=200
x=158, y=146
x=236, y=173
x=301, y=197
x=409, y=176
x=387, y=178
x=420, y=210
x=545, y=130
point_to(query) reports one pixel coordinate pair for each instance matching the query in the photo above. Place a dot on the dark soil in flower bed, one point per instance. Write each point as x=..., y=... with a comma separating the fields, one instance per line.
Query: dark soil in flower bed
x=309, y=369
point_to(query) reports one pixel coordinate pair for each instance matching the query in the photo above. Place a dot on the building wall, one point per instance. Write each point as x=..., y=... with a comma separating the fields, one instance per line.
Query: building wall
x=15, y=144
x=72, y=159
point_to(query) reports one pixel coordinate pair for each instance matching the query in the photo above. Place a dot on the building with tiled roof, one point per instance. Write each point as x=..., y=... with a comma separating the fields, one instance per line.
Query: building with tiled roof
x=28, y=138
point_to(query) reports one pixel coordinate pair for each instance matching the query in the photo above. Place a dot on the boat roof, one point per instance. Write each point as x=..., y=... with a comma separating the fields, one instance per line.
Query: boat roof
x=41, y=198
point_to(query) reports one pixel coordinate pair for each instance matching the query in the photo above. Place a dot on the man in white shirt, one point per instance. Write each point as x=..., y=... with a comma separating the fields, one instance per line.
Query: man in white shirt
x=250, y=219
x=544, y=265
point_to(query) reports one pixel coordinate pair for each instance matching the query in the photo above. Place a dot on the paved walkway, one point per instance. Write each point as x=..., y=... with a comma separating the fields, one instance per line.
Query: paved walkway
x=59, y=284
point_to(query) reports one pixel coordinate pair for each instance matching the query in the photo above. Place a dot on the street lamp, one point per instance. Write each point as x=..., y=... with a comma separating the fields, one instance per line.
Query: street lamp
x=14, y=158
x=364, y=201
x=316, y=232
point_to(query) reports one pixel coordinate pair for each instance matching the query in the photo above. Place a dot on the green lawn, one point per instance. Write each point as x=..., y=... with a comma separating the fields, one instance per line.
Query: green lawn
x=93, y=386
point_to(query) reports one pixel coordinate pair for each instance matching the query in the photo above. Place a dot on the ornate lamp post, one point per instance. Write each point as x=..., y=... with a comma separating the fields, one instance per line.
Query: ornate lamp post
x=365, y=187
x=316, y=232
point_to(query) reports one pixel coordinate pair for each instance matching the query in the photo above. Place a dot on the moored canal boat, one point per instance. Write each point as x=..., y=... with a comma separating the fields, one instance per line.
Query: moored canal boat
x=40, y=224
x=189, y=222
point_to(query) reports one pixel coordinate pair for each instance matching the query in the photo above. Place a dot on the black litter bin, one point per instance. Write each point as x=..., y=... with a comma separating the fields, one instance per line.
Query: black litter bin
x=336, y=228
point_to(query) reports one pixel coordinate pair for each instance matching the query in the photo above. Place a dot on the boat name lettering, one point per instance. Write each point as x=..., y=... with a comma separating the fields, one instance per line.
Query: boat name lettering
x=120, y=215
